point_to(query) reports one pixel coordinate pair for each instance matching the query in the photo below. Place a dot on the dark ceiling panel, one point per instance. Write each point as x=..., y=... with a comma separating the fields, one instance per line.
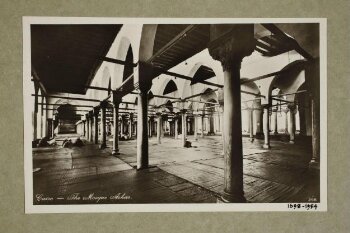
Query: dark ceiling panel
x=65, y=57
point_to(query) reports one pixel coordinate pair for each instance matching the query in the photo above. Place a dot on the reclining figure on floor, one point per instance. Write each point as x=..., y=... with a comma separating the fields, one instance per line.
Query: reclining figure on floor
x=75, y=142
x=45, y=141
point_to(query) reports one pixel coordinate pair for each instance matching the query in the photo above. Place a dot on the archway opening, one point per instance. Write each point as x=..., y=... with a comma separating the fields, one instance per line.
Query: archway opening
x=67, y=117
x=169, y=106
x=128, y=68
x=203, y=73
x=170, y=87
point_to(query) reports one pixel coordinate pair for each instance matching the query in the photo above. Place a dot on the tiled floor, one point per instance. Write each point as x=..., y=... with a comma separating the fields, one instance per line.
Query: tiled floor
x=178, y=175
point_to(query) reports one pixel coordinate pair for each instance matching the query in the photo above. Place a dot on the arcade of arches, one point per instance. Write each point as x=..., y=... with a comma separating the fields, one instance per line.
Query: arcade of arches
x=177, y=113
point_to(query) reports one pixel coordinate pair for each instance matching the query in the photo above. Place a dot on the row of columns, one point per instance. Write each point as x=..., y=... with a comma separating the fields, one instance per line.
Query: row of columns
x=289, y=124
x=174, y=126
x=192, y=125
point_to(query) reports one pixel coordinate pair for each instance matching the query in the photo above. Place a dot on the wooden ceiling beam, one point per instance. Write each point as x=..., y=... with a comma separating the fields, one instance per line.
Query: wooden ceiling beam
x=76, y=105
x=286, y=39
x=70, y=98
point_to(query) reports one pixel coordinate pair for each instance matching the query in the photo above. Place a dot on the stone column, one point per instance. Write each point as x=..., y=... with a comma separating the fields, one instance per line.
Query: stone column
x=96, y=113
x=202, y=124
x=275, y=126
x=251, y=129
x=130, y=124
x=91, y=126
x=259, y=124
x=162, y=127
x=315, y=161
x=211, y=124
x=49, y=127
x=122, y=125
x=150, y=126
x=171, y=125
x=184, y=127
x=103, y=105
x=159, y=127
x=302, y=119
x=247, y=115
x=84, y=127
x=266, y=127
x=53, y=129
x=176, y=122
x=222, y=126
x=291, y=108
x=312, y=73
x=142, y=126
x=87, y=126
x=115, y=147
x=195, y=127
x=230, y=50
x=286, y=120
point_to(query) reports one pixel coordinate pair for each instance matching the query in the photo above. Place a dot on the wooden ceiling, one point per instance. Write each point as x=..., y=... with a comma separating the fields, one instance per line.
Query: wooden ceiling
x=174, y=43
x=272, y=45
x=66, y=57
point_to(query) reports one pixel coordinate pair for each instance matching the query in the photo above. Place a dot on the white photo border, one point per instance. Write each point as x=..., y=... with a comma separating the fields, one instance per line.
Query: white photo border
x=213, y=207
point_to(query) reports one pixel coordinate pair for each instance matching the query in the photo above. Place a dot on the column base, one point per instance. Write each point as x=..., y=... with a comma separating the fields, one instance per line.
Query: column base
x=115, y=152
x=313, y=164
x=251, y=139
x=291, y=142
x=265, y=146
x=231, y=198
x=142, y=167
x=103, y=146
x=275, y=133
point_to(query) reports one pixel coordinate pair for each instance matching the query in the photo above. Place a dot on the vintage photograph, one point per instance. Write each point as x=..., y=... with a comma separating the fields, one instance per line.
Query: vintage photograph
x=227, y=114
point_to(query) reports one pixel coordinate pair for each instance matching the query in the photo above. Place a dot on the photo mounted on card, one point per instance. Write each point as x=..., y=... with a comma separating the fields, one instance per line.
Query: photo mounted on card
x=174, y=115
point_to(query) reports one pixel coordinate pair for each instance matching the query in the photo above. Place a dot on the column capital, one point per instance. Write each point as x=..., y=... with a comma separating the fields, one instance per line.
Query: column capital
x=96, y=111
x=116, y=99
x=229, y=44
x=145, y=77
x=291, y=107
x=90, y=114
x=104, y=104
x=265, y=106
x=285, y=110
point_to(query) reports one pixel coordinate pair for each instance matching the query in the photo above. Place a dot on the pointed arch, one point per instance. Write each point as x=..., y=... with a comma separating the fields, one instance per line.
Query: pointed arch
x=291, y=80
x=170, y=87
x=125, y=52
